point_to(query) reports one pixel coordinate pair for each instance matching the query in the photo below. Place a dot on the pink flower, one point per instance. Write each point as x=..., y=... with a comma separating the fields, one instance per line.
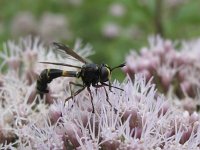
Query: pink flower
x=139, y=118
x=111, y=30
x=117, y=10
x=173, y=69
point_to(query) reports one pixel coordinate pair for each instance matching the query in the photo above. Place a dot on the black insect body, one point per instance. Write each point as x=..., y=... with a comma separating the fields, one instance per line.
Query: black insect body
x=91, y=74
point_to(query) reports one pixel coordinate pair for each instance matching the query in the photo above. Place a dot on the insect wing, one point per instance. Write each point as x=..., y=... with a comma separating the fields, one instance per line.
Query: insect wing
x=61, y=64
x=69, y=51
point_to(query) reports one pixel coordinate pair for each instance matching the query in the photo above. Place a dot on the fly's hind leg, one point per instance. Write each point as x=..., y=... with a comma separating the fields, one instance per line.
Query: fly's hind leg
x=70, y=87
x=76, y=93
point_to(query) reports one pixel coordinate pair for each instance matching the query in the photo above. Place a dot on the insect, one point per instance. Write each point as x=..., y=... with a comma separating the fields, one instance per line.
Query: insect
x=91, y=74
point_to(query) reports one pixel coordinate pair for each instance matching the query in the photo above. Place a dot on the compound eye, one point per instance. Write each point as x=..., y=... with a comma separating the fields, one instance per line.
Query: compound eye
x=104, y=74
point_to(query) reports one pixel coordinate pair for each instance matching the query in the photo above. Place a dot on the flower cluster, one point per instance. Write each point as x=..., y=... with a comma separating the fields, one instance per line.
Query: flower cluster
x=139, y=118
x=50, y=27
x=20, y=68
x=175, y=70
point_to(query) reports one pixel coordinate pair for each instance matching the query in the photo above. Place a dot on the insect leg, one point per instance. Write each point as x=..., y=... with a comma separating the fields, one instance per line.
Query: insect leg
x=111, y=86
x=91, y=98
x=70, y=87
x=76, y=93
x=107, y=98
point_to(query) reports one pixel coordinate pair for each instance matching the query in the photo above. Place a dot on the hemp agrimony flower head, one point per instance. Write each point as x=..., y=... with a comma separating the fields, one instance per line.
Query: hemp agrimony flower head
x=174, y=69
x=139, y=119
x=143, y=120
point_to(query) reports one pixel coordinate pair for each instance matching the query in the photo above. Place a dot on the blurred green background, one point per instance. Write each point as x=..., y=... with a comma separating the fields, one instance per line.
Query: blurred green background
x=112, y=27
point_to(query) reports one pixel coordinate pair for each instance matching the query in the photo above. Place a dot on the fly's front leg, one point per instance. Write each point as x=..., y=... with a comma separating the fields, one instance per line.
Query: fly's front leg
x=107, y=98
x=96, y=87
x=109, y=85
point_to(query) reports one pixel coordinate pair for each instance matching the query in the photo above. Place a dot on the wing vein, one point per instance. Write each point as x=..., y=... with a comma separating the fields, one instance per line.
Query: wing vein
x=61, y=64
x=69, y=51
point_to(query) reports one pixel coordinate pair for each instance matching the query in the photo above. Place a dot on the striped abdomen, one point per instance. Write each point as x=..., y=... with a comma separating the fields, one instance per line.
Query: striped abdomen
x=48, y=75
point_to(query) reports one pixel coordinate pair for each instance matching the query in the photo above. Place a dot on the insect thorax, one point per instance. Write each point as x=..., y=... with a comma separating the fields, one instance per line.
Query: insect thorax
x=90, y=74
